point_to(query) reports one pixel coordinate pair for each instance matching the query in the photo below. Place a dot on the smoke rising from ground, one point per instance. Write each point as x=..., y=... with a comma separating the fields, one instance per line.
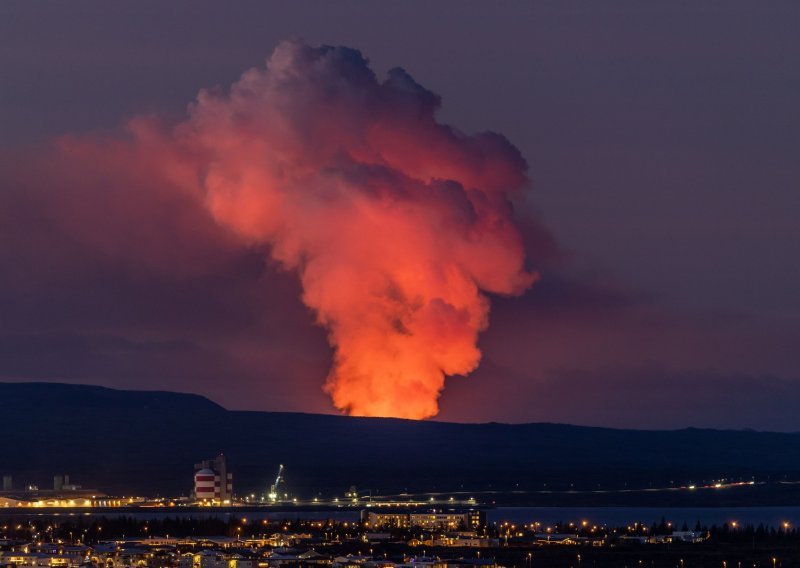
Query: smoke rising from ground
x=396, y=225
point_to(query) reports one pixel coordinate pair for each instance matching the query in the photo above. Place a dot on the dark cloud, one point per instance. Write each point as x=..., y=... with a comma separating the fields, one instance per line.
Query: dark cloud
x=112, y=279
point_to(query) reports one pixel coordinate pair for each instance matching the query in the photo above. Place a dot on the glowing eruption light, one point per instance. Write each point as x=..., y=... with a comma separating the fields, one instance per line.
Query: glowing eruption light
x=396, y=224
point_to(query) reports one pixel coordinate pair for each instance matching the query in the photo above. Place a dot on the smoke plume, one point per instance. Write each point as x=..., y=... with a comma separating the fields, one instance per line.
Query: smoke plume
x=396, y=225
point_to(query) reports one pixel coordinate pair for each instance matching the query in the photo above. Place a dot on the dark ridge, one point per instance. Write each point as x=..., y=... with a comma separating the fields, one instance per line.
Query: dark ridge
x=126, y=442
x=43, y=396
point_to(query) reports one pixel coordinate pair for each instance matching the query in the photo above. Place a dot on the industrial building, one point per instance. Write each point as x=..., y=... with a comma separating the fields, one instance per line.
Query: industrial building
x=213, y=481
x=61, y=483
x=63, y=494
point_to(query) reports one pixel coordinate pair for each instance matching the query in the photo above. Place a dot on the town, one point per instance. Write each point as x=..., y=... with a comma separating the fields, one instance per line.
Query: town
x=432, y=538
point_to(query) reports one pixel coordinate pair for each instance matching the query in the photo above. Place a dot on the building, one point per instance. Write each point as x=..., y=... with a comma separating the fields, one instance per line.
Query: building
x=433, y=519
x=688, y=536
x=61, y=483
x=213, y=481
x=40, y=560
x=461, y=541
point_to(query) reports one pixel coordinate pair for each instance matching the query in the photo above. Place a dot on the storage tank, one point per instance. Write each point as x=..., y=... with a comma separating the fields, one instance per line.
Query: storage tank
x=204, y=484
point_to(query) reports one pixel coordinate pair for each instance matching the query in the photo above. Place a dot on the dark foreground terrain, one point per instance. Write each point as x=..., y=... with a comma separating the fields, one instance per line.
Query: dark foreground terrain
x=722, y=547
x=662, y=556
x=127, y=442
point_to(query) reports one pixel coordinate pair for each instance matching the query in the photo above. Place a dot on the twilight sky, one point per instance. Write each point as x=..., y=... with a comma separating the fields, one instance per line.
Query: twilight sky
x=663, y=149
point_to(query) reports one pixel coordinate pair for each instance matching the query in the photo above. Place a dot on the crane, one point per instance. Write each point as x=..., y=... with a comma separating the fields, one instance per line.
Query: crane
x=273, y=489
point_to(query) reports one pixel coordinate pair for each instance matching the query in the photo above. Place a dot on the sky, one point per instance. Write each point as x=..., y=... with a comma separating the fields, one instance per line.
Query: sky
x=662, y=145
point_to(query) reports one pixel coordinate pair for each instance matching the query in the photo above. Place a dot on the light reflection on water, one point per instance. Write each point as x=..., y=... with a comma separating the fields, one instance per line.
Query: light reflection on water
x=621, y=516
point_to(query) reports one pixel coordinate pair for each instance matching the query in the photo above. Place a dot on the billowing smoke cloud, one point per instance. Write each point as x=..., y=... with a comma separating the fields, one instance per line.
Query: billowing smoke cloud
x=396, y=224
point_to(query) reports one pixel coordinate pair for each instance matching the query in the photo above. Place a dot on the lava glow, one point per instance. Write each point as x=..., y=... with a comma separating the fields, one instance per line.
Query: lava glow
x=395, y=223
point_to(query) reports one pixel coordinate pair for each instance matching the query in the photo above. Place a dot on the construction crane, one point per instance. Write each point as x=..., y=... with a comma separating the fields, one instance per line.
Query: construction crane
x=273, y=489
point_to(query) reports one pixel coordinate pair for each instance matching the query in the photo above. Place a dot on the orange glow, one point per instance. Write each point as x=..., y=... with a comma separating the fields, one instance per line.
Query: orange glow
x=395, y=224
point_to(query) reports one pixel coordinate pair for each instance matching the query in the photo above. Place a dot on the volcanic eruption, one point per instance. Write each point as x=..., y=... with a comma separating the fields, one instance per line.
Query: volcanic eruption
x=397, y=225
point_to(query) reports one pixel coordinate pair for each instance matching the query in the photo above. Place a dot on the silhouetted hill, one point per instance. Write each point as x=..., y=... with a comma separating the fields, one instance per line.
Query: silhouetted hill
x=46, y=397
x=147, y=442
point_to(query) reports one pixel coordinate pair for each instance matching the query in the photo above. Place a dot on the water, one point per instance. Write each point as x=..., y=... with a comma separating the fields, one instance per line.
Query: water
x=622, y=516
x=348, y=515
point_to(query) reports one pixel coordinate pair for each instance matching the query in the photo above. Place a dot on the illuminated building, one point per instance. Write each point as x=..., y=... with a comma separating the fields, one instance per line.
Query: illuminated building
x=213, y=481
x=433, y=519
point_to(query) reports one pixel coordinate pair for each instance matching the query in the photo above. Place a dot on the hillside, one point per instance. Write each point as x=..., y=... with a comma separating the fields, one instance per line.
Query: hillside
x=127, y=442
